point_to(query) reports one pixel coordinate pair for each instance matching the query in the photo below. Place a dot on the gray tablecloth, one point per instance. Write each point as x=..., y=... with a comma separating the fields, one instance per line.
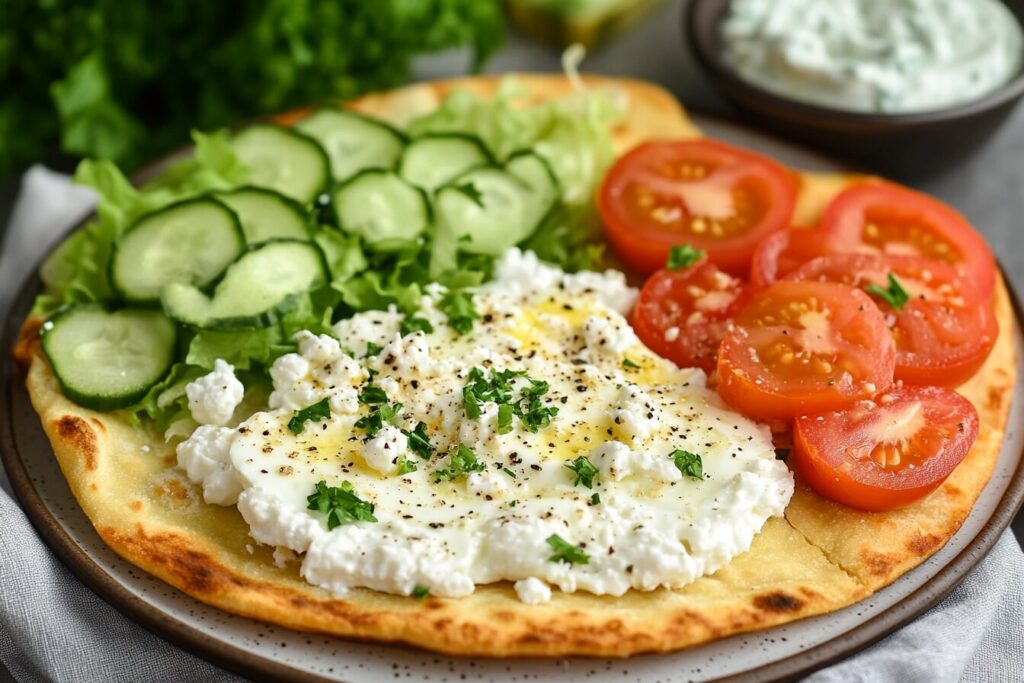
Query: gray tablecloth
x=54, y=628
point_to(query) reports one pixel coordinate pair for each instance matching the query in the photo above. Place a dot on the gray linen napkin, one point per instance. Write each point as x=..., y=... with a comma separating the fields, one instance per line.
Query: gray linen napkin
x=54, y=628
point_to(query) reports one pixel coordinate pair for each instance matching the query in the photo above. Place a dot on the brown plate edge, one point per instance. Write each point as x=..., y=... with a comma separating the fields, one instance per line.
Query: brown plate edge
x=246, y=663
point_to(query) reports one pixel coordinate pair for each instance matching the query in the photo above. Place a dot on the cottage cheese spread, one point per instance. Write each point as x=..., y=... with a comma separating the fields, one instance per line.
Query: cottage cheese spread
x=650, y=525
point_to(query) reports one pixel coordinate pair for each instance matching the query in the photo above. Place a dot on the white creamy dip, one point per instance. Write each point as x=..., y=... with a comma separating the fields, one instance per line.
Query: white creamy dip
x=891, y=56
x=651, y=524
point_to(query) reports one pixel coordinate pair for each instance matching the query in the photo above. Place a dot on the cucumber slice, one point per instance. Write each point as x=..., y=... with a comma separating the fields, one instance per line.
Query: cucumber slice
x=256, y=290
x=190, y=242
x=432, y=160
x=106, y=359
x=491, y=208
x=387, y=212
x=485, y=210
x=353, y=142
x=266, y=215
x=536, y=173
x=284, y=160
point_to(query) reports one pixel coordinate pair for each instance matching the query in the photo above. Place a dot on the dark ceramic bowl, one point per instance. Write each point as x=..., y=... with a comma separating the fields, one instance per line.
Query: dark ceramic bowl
x=903, y=145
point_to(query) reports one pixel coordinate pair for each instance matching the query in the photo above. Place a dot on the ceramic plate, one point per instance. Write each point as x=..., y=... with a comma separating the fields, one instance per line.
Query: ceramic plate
x=250, y=647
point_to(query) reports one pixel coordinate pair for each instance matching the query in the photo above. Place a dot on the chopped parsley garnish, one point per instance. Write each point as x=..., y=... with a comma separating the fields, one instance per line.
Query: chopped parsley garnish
x=895, y=295
x=504, y=418
x=340, y=504
x=585, y=471
x=405, y=466
x=458, y=306
x=497, y=388
x=688, y=463
x=372, y=349
x=462, y=462
x=683, y=256
x=565, y=551
x=534, y=414
x=471, y=404
x=383, y=414
x=629, y=364
x=420, y=592
x=418, y=441
x=595, y=499
x=415, y=324
x=314, y=413
x=372, y=395
x=480, y=389
x=509, y=472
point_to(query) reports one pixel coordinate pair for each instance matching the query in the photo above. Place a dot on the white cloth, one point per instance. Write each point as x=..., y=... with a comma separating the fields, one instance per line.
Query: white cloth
x=54, y=628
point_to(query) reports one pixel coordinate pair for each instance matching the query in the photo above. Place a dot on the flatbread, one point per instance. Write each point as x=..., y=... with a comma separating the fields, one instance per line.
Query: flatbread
x=820, y=558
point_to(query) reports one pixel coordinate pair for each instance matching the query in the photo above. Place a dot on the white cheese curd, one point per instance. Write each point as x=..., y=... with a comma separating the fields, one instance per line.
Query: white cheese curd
x=896, y=56
x=533, y=591
x=617, y=461
x=382, y=452
x=204, y=457
x=488, y=483
x=520, y=273
x=608, y=334
x=498, y=490
x=321, y=369
x=212, y=398
x=371, y=327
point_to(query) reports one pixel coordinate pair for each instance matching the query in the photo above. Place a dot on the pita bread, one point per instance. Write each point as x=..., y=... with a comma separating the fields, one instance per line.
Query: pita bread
x=821, y=557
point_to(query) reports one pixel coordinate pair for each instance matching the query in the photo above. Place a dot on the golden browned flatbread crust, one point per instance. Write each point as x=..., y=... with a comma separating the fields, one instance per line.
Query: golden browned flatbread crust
x=820, y=558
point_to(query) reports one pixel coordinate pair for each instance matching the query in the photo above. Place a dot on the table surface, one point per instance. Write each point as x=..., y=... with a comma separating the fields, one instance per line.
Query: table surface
x=988, y=188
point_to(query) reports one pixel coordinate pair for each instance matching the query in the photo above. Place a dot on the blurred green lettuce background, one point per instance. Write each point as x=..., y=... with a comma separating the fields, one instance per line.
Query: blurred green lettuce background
x=126, y=81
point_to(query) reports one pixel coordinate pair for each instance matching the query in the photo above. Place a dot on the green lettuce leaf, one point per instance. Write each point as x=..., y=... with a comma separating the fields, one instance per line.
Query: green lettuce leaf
x=166, y=401
x=242, y=349
x=344, y=253
x=77, y=269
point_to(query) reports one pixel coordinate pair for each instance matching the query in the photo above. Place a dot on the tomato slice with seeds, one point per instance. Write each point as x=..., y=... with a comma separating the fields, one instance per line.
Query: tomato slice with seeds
x=682, y=315
x=888, y=452
x=897, y=220
x=944, y=331
x=704, y=193
x=782, y=252
x=801, y=347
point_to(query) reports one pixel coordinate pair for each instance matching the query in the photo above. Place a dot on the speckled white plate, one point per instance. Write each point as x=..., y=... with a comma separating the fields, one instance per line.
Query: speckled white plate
x=261, y=650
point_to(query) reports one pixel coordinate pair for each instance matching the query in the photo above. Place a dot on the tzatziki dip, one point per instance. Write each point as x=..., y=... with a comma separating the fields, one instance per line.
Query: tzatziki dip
x=892, y=57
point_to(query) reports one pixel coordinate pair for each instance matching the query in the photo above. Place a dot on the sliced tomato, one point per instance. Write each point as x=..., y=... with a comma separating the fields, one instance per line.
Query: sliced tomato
x=887, y=452
x=682, y=315
x=801, y=347
x=782, y=252
x=943, y=332
x=704, y=193
x=897, y=220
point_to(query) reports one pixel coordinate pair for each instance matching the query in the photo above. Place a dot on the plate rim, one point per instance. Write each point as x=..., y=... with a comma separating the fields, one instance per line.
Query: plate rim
x=246, y=663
